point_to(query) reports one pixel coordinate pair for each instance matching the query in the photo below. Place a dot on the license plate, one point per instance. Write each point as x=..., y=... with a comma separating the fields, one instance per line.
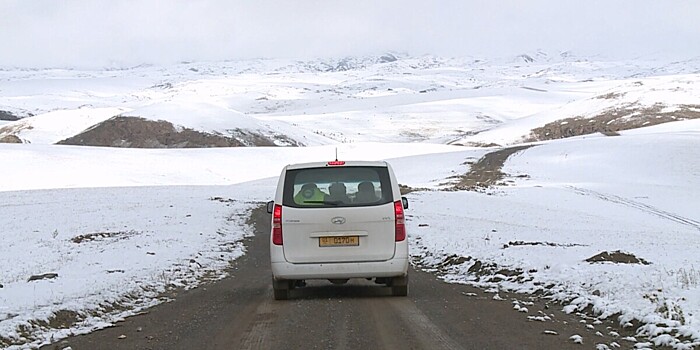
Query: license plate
x=339, y=241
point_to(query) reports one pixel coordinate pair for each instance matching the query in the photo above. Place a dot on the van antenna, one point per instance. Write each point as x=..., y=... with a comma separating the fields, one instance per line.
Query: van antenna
x=336, y=154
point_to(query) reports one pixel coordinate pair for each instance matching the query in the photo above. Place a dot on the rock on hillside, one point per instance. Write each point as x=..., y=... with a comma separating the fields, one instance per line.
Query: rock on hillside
x=7, y=116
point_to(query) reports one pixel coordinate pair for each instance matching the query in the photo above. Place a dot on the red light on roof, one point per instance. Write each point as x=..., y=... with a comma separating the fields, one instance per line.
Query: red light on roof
x=336, y=162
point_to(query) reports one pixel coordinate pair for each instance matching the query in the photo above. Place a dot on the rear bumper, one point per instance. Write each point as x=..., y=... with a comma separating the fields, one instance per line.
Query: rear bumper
x=390, y=268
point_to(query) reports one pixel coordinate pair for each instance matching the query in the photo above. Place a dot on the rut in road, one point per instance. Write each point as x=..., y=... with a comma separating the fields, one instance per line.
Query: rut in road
x=429, y=334
x=257, y=336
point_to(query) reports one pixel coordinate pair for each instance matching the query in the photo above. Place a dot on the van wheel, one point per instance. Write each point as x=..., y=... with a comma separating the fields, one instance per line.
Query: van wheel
x=280, y=289
x=399, y=286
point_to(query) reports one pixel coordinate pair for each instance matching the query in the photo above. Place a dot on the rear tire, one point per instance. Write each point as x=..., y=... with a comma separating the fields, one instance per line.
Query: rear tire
x=399, y=286
x=280, y=289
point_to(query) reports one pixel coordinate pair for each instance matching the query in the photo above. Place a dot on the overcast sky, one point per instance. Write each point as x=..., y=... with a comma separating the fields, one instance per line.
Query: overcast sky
x=43, y=33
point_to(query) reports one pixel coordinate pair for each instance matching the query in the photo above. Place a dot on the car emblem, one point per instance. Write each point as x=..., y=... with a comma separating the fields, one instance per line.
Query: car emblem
x=338, y=220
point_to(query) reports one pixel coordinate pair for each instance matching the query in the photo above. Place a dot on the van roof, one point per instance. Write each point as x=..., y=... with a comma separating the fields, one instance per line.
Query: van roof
x=347, y=164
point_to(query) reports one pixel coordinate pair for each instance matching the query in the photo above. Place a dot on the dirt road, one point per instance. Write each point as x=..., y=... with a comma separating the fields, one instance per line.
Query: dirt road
x=240, y=313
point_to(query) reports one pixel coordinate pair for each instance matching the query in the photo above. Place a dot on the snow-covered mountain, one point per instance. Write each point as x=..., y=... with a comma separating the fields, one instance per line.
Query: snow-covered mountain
x=285, y=102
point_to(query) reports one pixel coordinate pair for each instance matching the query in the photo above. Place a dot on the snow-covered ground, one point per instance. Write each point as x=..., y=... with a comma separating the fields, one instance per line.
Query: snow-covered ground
x=638, y=194
x=119, y=226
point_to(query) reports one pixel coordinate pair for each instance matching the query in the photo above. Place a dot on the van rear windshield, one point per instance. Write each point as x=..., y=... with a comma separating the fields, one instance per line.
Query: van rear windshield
x=337, y=187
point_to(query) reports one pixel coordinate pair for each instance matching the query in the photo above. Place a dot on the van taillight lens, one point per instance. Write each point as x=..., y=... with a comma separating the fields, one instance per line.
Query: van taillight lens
x=400, y=221
x=277, y=225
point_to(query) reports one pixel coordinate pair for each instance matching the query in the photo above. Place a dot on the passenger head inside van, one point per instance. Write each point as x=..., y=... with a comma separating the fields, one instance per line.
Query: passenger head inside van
x=365, y=193
x=338, y=192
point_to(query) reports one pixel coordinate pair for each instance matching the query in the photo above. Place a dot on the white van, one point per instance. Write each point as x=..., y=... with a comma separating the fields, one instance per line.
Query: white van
x=338, y=220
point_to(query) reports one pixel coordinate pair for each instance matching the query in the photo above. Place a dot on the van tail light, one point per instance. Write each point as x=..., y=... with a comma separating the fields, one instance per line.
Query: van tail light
x=277, y=225
x=400, y=222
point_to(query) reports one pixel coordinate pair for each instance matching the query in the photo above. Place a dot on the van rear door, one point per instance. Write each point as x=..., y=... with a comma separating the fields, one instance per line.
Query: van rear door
x=338, y=214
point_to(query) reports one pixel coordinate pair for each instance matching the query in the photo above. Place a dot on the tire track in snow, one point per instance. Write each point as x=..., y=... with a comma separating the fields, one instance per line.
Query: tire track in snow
x=640, y=206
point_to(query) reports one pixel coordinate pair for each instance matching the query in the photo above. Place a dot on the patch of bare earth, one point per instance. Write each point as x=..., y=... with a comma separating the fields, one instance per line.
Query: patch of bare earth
x=136, y=132
x=10, y=139
x=486, y=172
x=612, y=121
x=617, y=257
x=404, y=189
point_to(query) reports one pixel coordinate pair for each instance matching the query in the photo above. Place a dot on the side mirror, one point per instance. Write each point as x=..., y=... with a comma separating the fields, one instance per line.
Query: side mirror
x=270, y=206
x=404, y=201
